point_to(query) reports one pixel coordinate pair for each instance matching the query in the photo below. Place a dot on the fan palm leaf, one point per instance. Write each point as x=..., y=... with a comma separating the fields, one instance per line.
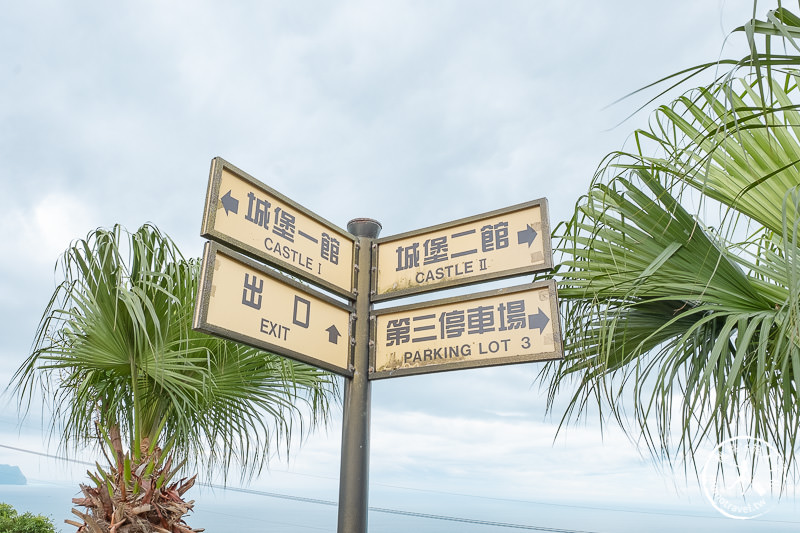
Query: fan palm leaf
x=115, y=351
x=679, y=276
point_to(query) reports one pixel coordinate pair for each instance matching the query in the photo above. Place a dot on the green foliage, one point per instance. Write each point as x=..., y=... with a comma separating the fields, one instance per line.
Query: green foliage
x=12, y=522
x=680, y=270
x=780, y=31
x=115, y=347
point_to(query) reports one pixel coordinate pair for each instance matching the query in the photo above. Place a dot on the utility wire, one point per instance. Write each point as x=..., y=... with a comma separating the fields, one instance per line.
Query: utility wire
x=450, y=493
x=332, y=503
x=400, y=512
x=478, y=522
x=311, y=500
x=49, y=456
x=325, y=502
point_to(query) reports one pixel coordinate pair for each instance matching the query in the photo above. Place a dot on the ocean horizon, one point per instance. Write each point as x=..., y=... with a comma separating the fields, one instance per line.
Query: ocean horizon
x=222, y=511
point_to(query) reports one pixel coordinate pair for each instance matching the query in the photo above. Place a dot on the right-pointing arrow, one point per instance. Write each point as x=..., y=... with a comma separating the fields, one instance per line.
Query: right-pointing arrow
x=230, y=203
x=526, y=236
x=539, y=320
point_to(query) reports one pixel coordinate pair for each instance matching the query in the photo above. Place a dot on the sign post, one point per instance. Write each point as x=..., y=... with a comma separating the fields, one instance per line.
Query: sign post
x=243, y=299
x=354, y=468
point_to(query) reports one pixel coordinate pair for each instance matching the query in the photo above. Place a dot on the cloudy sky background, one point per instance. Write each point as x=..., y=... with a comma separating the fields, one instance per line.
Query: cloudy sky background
x=412, y=113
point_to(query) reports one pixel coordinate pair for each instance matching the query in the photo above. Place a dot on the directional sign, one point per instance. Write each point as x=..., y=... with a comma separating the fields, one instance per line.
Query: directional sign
x=514, y=325
x=243, y=301
x=243, y=213
x=504, y=243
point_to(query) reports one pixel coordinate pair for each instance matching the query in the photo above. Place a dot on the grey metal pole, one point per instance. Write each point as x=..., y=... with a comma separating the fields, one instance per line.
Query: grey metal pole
x=354, y=469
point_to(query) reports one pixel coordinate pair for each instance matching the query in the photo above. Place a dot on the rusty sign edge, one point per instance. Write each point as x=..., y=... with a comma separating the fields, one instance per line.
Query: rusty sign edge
x=556, y=354
x=200, y=322
x=209, y=231
x=449, y=284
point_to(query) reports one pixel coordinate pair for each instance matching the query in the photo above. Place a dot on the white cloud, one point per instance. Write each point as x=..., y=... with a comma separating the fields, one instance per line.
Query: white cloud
x=504, y=457
x=413, y=113
x=38, y=232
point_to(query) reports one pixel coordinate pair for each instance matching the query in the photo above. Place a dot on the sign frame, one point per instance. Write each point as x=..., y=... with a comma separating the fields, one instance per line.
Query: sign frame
x=200, y=318
x=546, y=265
x=210, y=231
x=555, y=320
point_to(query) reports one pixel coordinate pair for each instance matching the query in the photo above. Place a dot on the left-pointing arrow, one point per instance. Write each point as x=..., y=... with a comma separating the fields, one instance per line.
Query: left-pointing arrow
x=333, y=334
x=539, y=320
x=230, y=203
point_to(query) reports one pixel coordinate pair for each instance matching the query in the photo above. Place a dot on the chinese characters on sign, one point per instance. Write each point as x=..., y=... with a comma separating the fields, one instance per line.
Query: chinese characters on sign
x=500, y=327
x=241, y=301
x=435, y=250
x=244, y=301
x=250, y=217
x=499, y=244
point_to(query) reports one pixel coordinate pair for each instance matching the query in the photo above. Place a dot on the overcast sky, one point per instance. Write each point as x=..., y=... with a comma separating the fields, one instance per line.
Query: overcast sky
x=413, y=113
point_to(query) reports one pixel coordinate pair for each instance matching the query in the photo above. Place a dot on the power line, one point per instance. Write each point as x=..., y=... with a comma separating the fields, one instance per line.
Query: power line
x=449, y=493
x=48, y=455
x=478, y=522
x=399, y=511
x=277, y=495
x=318, y=501
x=259, y=520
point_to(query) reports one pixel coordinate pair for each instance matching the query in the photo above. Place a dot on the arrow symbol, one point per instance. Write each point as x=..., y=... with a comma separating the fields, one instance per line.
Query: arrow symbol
x=539, y=320
x=333, y=334
x=230, y=203
x=526, y=236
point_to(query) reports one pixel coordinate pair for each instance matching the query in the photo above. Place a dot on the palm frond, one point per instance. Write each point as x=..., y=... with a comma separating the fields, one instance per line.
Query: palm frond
x=780, y=31
x=693, y=329
x=668, y=332
x=115, y=345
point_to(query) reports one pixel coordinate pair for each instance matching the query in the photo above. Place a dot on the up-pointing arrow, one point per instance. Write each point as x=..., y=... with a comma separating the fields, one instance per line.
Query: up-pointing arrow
x=526, y=236
x=539, y=320
x=230, y=203
x=333, y=334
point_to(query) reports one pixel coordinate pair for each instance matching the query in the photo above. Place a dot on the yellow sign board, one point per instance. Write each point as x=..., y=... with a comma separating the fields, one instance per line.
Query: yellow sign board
x=250, y=217
x=243, y=301
x=514, y=325
x=504, y=243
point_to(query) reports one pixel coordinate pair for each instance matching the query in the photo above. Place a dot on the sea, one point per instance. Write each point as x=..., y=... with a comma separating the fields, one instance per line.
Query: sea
x=221, y=511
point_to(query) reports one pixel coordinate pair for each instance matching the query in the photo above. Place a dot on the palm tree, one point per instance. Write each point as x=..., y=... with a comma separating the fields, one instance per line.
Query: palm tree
x=121, y=368
x=680, y=269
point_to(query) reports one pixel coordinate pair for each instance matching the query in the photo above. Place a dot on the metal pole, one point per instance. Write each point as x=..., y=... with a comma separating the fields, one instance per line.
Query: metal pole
x=354, y=469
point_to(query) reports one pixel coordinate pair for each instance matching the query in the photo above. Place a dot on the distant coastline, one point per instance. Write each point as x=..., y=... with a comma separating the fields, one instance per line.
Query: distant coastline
x=11, y=475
